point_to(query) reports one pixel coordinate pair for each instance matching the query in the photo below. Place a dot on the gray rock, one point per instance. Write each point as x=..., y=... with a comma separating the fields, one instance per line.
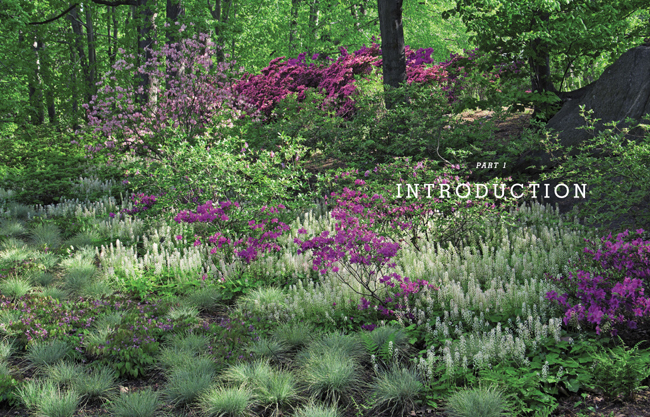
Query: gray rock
x=622, y=91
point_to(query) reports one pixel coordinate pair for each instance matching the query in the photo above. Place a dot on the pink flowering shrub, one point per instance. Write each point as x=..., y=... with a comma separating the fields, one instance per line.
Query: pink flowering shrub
x=337, y=80
x=187, y=91
x=608, y=286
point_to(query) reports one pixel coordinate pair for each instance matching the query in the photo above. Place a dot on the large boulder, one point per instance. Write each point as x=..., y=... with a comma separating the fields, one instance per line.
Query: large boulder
x=622, y=91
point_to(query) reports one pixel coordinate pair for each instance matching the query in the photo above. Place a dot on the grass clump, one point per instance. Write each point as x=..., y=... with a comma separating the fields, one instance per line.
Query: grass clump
x=477, y=402
x=294, y=335
x=207, y=299
x=312, y=410
x=268, y=348
x=340, y=343
x=396, y=390
x=227, y=402
x=331, y=376
x=136, y=404
x=46, y=235
x=43, y=279
x=63, y=373
x=186, y=384
x=58, y=403
x=97, y=384
x=77, y=279
x=15, y=287
x=12, y=227
x=56, y=293
x=47, y=353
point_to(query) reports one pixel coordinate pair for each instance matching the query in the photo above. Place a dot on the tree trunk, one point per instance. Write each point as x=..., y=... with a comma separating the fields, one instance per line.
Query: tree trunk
x=145, y=42
x=220, y=13
x=73, y=16
x=92, y=55
x=174, y=10
x=313, y=18
x=293, y=25
x=541, y=69
x=392, y=48
x=36, y=86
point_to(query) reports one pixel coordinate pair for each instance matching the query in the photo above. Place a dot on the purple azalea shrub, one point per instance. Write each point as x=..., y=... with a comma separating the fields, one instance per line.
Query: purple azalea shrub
x=608, y=286
x=263, y=231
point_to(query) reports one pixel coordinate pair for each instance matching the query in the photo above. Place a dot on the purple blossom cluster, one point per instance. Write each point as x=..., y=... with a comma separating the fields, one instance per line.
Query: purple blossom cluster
x=609, y=285
x=363, y=252
x=141, y=202
x=263, y=231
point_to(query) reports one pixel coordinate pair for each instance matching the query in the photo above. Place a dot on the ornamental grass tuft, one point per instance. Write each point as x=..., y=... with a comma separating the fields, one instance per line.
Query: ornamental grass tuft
x=397, y=390
x=136, y=404
x=477, y=402
x=227, y=402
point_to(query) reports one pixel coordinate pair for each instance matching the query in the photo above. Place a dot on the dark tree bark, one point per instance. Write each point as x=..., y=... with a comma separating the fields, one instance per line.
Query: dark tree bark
x=145, y=42
x=392, y=47
x=92, y=54
x=293, y=25
x=541, y=69
x=77, y=34
x=220, y=12
x=174, y=11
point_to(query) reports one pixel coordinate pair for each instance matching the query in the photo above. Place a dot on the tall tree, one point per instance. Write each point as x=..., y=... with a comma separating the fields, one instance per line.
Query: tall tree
x=392, y=47
x=220, y=12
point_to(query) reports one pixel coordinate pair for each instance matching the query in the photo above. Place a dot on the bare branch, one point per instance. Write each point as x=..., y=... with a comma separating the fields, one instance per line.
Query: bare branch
x=56, y=17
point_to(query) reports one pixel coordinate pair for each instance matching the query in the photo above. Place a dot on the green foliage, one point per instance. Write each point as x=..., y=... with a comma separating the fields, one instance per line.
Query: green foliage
x=615, y=170
x=99, y=383
x=573, y=33
x=331, y=376
x=185, y=385
x=620, y=371
x=520, y=385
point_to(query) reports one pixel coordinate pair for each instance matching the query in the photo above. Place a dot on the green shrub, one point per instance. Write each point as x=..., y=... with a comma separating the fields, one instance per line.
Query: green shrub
x=616, y=172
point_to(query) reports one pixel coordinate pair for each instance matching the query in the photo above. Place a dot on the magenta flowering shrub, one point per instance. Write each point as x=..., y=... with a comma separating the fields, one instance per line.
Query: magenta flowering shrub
x=262, y=232
x=187, y=91
x=336, y=80
x=364, y=253
x=608, y=287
